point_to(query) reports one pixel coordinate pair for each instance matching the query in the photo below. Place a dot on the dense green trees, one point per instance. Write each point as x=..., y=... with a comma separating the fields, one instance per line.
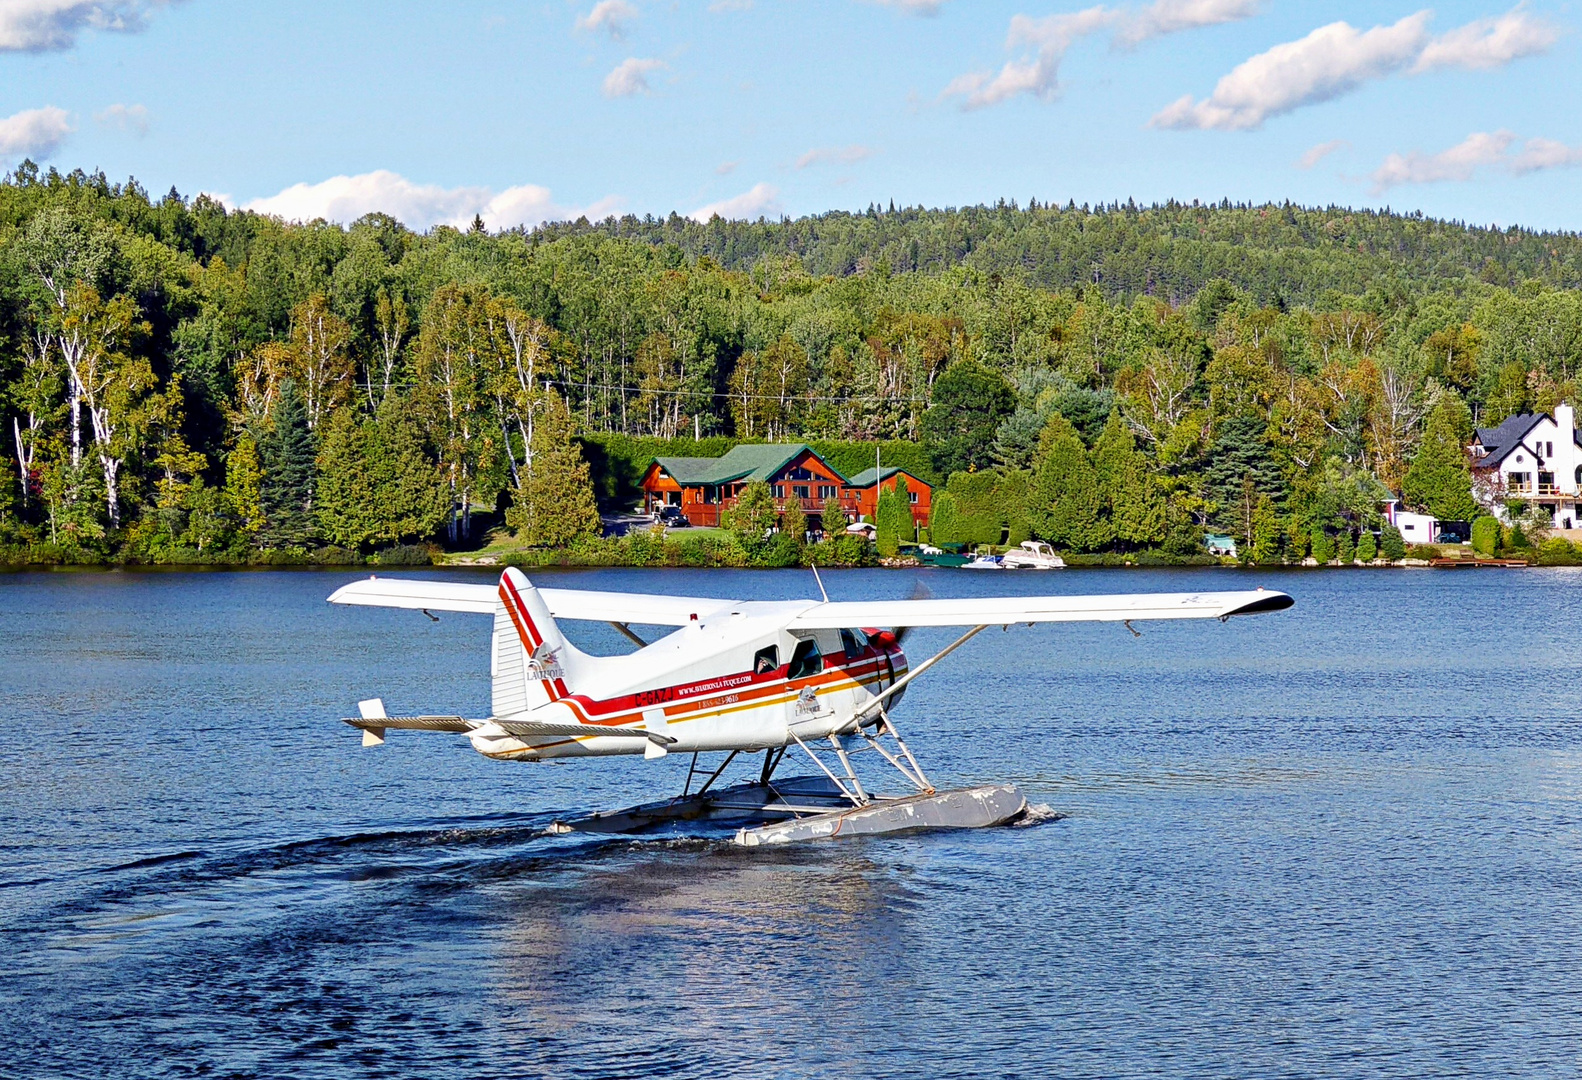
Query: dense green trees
x=1439, y=480
x=969, y=403
x=178, y=380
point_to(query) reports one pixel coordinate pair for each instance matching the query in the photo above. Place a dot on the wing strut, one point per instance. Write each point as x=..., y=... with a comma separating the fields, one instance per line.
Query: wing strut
x=915, y=672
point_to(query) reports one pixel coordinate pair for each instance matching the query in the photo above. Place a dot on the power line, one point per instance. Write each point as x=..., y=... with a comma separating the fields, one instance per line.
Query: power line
x=726, y=395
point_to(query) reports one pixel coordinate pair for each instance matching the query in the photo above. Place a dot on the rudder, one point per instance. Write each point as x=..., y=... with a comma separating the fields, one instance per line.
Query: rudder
x=529, y=652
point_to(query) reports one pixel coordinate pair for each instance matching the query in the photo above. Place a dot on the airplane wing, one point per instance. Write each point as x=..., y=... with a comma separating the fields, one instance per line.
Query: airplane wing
x=1004, y=610
x=419, y=595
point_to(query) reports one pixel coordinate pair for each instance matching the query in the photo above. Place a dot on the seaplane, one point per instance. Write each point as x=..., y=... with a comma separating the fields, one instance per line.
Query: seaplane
x=819, y=677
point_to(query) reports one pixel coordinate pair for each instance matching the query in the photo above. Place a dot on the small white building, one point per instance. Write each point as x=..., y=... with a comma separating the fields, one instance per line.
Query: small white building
x=1416, y=528
x=1534, y=457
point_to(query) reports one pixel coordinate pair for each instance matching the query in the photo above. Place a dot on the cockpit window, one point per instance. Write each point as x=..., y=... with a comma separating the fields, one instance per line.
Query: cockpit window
x=766, y=660
x=806, y=660
x=854, y=641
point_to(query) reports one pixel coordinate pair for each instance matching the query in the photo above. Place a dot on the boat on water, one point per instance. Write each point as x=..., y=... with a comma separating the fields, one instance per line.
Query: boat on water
x=929, y=555
x=984, y=562
x=1032, y=555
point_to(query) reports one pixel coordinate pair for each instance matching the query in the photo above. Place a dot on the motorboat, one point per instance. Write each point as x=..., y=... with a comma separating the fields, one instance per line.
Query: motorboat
x=984, y=562
x=1032, y=555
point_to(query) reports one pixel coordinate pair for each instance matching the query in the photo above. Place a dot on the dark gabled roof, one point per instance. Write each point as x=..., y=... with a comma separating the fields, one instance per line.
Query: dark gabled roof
x=865, y=478
x=1500, y=441
x=747, y=462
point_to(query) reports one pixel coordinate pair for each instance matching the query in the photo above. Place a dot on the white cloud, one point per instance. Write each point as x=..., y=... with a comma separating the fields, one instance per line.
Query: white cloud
x=730, y=5
x=840, y=155
x=725, y=168
x=630, y=77
x=1038, y=74
x=914, y=7
x=1336, y=59
x=763, y=200
x=1046, y=41
x=421, y=206
x=1325, y=64
x=1318, y=153
x=1539, y=154
x=33, y=133
x=611, y=16
x=1172, y=16
x=44, y=25
x=1480, y=150
x=1460, y=162
x=1489, y=43
x=125, y=117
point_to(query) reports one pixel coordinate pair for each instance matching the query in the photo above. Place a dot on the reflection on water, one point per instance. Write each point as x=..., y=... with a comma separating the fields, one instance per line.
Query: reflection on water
x=1338, y=841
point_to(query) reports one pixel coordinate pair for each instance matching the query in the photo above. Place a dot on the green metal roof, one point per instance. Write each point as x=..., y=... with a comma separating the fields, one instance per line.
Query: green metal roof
x=865, y=478
x=747, y=462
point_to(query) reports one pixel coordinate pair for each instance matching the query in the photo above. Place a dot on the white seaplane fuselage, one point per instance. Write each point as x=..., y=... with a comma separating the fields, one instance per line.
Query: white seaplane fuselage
x=732, y=680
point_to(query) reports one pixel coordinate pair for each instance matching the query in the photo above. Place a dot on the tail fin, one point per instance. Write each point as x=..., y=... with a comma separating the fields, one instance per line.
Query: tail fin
x=531, y=657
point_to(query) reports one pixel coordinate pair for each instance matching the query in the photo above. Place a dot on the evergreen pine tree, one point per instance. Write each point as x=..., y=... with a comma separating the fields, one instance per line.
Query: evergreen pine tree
x=289, y=468
x=555, y=504
x=1439, y=480
x=1367, y=548
x=894, y=519
x=833, y=519
x=1240, y=468
x=378, y=484
x=1067, y=505
x=1131, y=492
x=944, y=523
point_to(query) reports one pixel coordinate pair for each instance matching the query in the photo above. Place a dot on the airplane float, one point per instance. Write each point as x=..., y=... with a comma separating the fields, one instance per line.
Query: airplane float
x=740, y=677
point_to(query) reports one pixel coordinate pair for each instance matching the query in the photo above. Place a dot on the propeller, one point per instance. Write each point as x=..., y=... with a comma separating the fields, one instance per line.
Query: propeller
x=920, y=591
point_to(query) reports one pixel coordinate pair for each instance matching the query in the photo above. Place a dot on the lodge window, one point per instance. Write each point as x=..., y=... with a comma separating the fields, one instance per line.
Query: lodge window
x=806, y=660
x=766, y=660
x=780, y=491
x=826, y=491
x=799, y=490
x=1516, y=481
x=911, y=496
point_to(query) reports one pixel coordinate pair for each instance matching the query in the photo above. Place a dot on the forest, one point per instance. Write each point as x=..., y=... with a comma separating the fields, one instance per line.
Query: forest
x=183, y=383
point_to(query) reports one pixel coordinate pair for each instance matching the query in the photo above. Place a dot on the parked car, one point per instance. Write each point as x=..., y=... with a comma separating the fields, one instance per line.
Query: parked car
x=671, y=517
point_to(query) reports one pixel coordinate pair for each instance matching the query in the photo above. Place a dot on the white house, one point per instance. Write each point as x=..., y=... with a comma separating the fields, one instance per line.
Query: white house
x=1535, y=457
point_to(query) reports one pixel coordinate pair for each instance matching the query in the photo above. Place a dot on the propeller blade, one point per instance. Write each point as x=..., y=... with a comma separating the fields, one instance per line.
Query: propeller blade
x=920, y=591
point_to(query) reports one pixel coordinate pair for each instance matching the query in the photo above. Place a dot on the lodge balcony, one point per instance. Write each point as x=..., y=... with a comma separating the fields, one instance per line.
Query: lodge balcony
x=1539, y=492
x=707, y=515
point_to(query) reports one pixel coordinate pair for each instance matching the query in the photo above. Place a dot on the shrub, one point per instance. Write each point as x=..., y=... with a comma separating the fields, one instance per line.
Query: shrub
x=1368, y=548
x=1485, y=535
x=1392, y=543
x=1323, y=546
x=1345, y=551
x=1557, y=551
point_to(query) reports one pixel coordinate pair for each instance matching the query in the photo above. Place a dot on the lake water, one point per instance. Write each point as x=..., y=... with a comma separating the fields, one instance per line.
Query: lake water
x=1341, y=840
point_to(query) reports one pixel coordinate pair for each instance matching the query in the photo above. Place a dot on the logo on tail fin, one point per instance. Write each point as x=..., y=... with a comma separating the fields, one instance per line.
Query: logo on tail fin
x=544, y=663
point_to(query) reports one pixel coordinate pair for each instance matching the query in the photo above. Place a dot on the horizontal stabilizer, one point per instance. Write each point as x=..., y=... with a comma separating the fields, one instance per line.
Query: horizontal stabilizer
x=457, y=725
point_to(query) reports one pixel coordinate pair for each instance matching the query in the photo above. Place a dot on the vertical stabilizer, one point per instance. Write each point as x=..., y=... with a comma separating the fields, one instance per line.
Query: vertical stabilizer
x=530, y=655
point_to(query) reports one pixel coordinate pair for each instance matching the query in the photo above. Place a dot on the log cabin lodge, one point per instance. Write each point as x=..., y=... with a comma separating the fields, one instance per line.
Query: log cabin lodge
x=706, y=487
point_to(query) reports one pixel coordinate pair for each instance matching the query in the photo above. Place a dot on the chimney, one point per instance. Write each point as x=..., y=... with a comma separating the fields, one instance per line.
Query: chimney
x=1565, y=420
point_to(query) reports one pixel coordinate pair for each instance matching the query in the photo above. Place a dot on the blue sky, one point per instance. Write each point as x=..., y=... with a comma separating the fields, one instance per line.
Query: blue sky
x=524, y=110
